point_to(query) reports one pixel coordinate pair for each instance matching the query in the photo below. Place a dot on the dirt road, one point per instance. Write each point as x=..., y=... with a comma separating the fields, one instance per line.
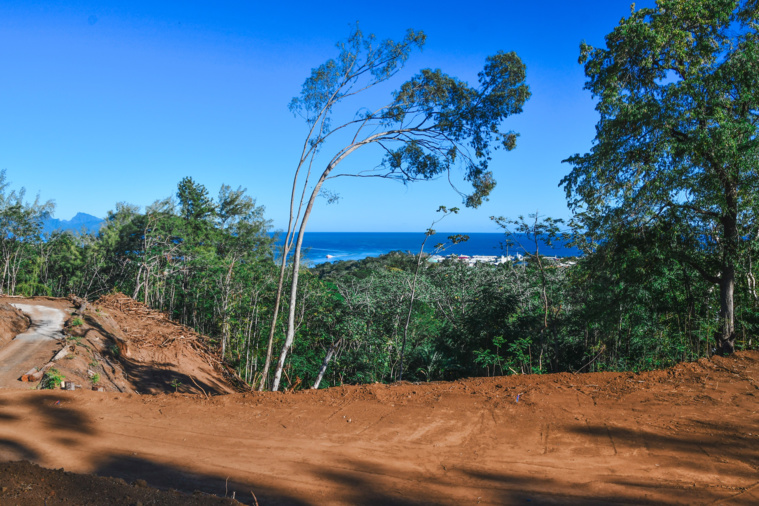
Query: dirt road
x=684, y=436
x=34, y=348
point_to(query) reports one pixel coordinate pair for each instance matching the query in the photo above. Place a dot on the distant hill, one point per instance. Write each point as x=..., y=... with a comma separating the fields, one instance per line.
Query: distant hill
x=76, y=224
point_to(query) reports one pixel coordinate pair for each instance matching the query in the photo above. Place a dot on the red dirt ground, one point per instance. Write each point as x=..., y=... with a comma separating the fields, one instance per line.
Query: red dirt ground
x=688, y=435
x=12, y=322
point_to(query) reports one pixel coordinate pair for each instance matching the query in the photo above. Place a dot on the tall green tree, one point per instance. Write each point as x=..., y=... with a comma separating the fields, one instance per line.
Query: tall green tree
x=20, y=230
x=194, y=202
x=431, y=124
x=676, y=150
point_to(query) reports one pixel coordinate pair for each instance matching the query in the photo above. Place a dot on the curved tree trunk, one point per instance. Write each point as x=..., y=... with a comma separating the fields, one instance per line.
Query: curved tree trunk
x=291, y=312
x=294, y=284
x=325, y=363
x=273, y=328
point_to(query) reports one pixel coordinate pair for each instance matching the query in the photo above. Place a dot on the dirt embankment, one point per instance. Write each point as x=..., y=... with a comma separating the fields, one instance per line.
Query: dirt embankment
x=115, y=345
x=119, y=345
x=157, y=355
x=12, y=323
x=688, y=435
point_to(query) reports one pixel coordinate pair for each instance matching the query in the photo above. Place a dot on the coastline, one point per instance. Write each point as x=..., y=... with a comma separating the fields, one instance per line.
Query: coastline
x=321, y=247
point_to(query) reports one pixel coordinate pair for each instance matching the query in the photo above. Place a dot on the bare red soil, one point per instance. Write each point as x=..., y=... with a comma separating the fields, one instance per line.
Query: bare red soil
x=688, y=435
x=12, y=322
x=153, y=354
x=119, y=345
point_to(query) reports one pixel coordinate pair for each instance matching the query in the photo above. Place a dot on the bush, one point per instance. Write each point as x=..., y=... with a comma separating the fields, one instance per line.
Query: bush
x=51, y=379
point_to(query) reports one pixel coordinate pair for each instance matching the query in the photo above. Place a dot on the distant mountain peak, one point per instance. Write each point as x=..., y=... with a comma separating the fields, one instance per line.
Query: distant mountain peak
x=79, y=217
x=76, y=224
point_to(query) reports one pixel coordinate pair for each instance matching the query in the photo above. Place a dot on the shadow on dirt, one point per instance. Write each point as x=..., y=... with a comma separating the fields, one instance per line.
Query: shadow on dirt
x=132, y=468
x=712, y=445
x=360, y=482
x=157, y=378
x=59, y=416
x=513, y=489
x=48, y=410
x=12, y=450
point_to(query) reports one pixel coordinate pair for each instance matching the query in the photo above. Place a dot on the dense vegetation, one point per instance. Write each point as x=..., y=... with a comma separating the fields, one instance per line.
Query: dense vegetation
x=210, y=264
x=666, y=212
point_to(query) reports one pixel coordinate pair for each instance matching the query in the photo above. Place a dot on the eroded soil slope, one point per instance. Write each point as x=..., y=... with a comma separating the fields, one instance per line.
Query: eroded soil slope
x=689, y=435
x=157, y=355
x=12, y=323
x=115, y=345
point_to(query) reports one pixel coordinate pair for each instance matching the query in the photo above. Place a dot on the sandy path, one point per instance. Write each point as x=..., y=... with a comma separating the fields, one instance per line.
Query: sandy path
x=33, y=348
x=689, y=436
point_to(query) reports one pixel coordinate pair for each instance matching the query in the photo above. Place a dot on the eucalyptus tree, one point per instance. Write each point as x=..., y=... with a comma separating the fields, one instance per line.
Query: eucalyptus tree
x=432, y=124
x=676, y=149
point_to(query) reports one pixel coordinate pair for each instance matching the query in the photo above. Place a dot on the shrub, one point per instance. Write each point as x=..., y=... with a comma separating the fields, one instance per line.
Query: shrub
x=51, y=379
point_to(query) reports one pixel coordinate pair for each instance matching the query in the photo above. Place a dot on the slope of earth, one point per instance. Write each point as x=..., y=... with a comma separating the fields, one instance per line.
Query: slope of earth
x=155, y=354
x=114, y=345
x=688, y=435
x=12, y=323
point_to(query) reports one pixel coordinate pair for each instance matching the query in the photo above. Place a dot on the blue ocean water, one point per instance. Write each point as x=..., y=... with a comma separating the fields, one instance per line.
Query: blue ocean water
x=358, y=245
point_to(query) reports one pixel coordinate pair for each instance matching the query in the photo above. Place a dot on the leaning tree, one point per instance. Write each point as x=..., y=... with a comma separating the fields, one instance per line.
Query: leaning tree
x=675, y=155
x=431, y=125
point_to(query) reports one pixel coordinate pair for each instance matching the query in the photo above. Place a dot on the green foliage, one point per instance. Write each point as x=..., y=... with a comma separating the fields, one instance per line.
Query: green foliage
x=665, y=205
x=433, y=123
x=95, y=379
x=20, y=238
x=194, y=202
x=674, y=162
x=32, y=289
x=77, y=321
x=51, y=379
x=627, y=305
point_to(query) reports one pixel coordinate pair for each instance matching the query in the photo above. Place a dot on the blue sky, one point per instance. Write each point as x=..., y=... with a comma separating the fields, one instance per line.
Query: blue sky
x=104, y=102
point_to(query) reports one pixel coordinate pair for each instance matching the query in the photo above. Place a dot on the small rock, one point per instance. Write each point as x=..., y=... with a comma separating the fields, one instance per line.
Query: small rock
x=140, y=483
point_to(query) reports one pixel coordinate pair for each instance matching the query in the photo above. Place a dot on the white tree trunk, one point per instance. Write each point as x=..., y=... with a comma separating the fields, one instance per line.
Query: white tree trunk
x=323, y=368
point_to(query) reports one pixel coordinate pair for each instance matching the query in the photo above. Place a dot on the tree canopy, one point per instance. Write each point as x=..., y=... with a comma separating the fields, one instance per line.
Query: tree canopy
x=676, y=149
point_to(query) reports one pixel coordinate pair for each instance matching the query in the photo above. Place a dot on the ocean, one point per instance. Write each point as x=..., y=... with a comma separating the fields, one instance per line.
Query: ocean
x=359, y=245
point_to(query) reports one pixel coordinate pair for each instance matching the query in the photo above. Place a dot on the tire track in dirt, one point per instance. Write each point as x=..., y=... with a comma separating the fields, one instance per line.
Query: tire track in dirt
x=446, y=443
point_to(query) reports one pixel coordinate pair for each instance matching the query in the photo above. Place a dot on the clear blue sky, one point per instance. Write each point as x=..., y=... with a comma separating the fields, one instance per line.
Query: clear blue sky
x=102, y=102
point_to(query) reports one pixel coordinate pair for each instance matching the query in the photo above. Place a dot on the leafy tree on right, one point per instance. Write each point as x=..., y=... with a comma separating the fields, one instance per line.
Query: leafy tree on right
x=674, y=161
